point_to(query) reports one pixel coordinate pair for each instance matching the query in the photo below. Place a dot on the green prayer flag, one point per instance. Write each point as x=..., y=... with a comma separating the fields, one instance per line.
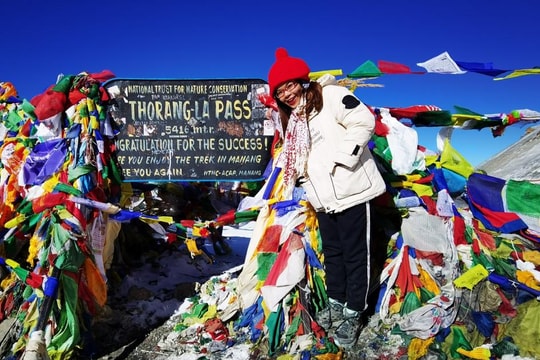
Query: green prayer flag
x=68, y=334
x=75, y=173
x=243, y=216
x=458, y=341
x=433, y=118
x=70, y=256
x=25, y=207
x=462, y=110
x=382, y=149
x=293, y=328
x=503, y=268
x=21, y=273
x=28, y=108
x=64, y=84
x=367, y=70
x=12, y=121
x=319, y=297
x=68, y=189
x=274, y=325
x=425, y=295
x=265, y=260
x=197, y=311
x=523, y=197
x=410, y=302
x=115, y=172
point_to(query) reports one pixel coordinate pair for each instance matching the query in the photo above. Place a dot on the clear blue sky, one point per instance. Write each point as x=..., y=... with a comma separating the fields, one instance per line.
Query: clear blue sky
x=237, y=39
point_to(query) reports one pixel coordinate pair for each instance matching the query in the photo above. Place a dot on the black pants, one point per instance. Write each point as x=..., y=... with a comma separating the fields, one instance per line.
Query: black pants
x=345, y=243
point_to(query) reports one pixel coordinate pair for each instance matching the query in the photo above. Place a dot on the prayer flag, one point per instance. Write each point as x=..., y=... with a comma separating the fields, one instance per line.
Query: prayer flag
x=367, y=70
x=388, y=67
x=441, y=64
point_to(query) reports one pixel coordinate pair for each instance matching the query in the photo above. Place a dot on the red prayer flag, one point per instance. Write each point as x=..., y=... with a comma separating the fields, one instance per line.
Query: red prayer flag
x=388, y=67
x=412, y=111
x=227, y=218
x=48, y=201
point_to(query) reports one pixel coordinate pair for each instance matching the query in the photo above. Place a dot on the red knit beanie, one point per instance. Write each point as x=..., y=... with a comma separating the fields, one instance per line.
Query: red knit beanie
x=286, y=68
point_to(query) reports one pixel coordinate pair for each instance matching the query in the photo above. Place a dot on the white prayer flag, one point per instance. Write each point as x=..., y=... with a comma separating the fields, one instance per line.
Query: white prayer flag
x=441, y=64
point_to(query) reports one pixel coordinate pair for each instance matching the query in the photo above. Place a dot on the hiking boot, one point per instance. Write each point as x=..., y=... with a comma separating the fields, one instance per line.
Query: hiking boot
x=347, y=332
x=331, y=315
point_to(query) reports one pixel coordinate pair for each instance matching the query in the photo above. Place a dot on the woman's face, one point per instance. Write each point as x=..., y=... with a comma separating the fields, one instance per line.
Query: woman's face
x=289, y=93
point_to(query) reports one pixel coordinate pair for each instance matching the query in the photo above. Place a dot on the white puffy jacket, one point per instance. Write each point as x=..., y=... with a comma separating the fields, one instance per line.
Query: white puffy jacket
x=341, y=170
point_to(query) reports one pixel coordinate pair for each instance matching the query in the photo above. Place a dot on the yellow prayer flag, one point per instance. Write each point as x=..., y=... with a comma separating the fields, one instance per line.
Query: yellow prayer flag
x=480, y=353
x=532, y=256
x=472, y=277
x=15, y=221
x=314, y=75
x=527, y=278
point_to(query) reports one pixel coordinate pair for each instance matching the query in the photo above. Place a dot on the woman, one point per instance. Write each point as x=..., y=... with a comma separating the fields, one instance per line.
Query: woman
x=326, y=152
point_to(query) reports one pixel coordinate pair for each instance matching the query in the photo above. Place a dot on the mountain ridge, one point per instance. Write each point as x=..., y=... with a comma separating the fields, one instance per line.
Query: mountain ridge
x=520, y=161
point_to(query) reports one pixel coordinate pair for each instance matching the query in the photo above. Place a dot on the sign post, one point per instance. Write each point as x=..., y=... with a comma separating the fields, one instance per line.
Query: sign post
x=190, y=130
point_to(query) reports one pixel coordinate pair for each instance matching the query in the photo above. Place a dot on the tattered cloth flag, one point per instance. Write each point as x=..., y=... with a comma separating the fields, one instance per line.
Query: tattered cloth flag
x=487, y=205
x=468, y=119
x=523, y=198
x=403, y=144
x=286, y=272
x=44, y=160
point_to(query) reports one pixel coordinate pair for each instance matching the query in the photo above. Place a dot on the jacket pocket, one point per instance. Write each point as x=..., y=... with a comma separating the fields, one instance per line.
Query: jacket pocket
x=347, y=182
x=312, y=196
